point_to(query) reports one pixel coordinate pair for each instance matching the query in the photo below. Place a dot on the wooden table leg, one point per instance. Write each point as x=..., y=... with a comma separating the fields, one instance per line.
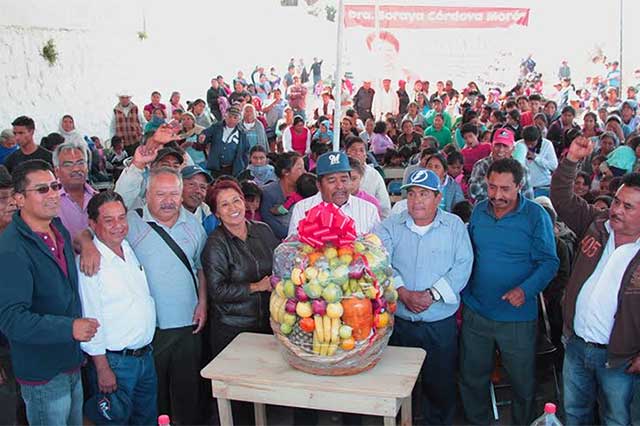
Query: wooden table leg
x=260, y=414
x=389, y=421
x=405, y=412
x=224, y=412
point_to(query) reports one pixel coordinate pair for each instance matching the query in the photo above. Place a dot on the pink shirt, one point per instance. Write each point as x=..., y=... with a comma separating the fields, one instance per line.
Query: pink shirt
x=370, y=198
x=73, y=216
x=379, y=143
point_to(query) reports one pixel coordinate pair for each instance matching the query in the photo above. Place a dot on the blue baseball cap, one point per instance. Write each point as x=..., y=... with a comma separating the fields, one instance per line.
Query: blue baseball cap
x=191, y=171
x=423, y=178
x=108, y=408
x=332, y=162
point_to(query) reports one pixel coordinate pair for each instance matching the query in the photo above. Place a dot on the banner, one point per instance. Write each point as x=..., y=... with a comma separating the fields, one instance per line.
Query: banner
x=433, y=17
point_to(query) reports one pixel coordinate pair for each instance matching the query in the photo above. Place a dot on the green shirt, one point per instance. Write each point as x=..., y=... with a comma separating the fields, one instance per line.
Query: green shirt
x=431, y=115
x=443, y=136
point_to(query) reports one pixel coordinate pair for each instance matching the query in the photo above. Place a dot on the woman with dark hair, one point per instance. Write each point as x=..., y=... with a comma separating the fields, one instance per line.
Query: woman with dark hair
x=288, y=167
x=237, y=261
x=451, y=190
x=590, y=128
x=380, y=141
x=51, y=141
x=297, y=138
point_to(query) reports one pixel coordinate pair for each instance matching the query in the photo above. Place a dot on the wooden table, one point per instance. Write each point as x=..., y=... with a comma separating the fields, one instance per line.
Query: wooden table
x=252, y=369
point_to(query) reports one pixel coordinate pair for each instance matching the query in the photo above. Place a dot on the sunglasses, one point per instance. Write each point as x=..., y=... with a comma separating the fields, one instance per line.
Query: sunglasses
x=54, y=186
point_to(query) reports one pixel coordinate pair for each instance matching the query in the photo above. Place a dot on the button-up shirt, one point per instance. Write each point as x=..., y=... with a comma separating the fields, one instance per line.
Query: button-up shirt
x=441, y=258
x=170, y=282
x=597, y=302
x=73, y=216
x=373, y=183
x=118, y=297
x=364, y=214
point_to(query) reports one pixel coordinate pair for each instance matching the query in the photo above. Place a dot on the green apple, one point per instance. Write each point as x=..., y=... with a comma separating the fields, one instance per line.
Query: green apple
x=358, y=247
x=390, y=294
x=341, y=274
x=310, y=272
x=306, y=248
x=286, y=329
x=332, y=293
x=330, y=252
x=289, y=289
x=345, y=331
x=289, y=319
x=313, y=289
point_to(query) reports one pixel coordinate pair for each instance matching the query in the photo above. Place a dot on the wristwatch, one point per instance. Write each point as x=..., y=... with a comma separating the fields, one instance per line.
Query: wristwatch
x=434, y=294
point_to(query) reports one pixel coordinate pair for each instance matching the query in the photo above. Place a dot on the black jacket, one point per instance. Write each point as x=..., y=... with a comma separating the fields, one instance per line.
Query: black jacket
x=230, y=265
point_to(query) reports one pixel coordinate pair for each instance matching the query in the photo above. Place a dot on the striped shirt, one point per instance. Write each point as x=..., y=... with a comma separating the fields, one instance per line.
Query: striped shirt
x=362, y=212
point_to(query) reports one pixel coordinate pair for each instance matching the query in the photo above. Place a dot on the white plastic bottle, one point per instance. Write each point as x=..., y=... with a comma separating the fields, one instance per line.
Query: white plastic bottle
x=548, y=418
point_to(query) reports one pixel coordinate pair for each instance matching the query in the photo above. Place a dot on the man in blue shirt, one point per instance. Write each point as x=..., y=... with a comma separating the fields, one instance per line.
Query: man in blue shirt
x=431, y=256
x=515, y=258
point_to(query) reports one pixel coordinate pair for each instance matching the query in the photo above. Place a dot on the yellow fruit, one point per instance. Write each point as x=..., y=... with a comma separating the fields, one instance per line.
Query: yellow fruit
x=297, y=276
x=348, y=344
x=280, y=289
x=330, y=253
x=382, y=320
x=373, y=239
x=324, y=349
x=335, y=330
x=319, y=328
x=326, y=323
x=333, y=347
x=335, y=310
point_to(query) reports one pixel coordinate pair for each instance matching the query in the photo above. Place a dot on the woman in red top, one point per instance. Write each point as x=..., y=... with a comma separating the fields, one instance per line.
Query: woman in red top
x=297, y=137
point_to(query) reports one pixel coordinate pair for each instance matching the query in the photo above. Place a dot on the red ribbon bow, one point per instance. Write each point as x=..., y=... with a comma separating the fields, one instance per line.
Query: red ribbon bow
x=326, y=223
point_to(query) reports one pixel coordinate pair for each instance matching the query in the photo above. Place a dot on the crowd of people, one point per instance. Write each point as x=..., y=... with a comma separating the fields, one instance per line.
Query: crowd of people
x=133, y=260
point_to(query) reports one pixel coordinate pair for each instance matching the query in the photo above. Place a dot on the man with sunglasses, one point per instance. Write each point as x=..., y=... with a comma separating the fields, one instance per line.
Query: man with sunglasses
x=40, y=310
x=71, y=161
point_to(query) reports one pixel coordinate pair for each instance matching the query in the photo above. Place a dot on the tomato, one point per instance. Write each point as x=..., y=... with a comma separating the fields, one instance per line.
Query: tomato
x=307, y=325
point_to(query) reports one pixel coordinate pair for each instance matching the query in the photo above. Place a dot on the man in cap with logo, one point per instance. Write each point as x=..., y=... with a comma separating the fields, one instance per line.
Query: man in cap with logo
x=334, y=180
x=118, y=297
x=227, y=145
x=431, y=256
x=515, y=259
x=501, y=147
x=127, y=122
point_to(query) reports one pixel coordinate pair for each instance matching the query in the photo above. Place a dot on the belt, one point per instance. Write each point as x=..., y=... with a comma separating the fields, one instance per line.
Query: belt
x=133, y=352
x=593, y=345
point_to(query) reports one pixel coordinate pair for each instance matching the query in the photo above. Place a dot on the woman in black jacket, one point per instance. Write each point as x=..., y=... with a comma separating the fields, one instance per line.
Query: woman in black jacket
x=237, y=262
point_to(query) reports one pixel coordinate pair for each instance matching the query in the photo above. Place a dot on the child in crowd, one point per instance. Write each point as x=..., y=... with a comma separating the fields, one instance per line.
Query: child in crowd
x=393, y=158
x=324, y=134
x=258, y=169
x=357, y=172
x=306, y=186
x=317, y=149
x=455, y=164
x=252, y=197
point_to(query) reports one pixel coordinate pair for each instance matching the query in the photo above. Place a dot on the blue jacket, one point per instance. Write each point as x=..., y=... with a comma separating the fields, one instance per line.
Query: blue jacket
x=517, y=250
x=38, y=303
x=217, y=147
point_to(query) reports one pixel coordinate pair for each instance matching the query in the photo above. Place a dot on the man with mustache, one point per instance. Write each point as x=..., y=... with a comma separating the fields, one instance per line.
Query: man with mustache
x=601, y=309
x=196, y=181
x=71, y=162
x=502, y=144
x=40, y=311
x=334, y=181
x=515, y=259
x=118, y=296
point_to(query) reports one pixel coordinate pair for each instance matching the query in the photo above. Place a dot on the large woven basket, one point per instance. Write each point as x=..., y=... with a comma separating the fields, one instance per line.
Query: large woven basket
x=364, y=356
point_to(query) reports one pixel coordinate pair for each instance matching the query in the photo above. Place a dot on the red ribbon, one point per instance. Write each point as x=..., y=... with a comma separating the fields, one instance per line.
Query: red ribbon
x=324, y=224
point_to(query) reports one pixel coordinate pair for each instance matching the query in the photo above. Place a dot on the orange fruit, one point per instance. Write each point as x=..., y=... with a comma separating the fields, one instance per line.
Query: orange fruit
x=381, y=320
x=348, y=344
x=391, y=307
x=313, y=257
x=345, y=250
x=307, y=324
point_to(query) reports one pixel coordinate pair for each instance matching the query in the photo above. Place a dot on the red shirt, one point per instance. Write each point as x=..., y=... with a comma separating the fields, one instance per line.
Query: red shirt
x=472, y=155
x=526, y=119
x=57, y=249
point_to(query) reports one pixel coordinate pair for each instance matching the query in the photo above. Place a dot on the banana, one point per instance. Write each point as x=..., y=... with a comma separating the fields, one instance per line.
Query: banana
x=333, y=347
x=324, y=349
x=316, y=343
x=280, y=309
x=335, y=327
x=319, y=328
x=327, y=329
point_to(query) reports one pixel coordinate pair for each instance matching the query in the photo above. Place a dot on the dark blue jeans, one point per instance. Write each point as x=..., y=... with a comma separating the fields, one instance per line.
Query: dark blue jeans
x=586, y=378
x=137, y=377
x=439, y=339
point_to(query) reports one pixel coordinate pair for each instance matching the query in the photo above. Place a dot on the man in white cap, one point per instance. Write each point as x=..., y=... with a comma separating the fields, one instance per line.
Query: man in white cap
x=127, y=122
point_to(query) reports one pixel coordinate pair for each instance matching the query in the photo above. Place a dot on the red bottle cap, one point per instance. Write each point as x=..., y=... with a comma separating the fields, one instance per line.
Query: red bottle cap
x=550, y=408
x=164, y=420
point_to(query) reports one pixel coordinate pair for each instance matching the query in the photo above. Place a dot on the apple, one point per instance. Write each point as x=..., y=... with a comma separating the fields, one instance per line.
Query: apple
x=290, y=306
x=323, y=277
x=289, y=319
x=341, y=274
x=390, y=294
x=330, y=252
x=313, y=289
x=300, y=294
x=274, y=279
x=307, y=249
x=359, y=247
x=286, y=329
x=332, y=293
x=346, y=259
x=334, y=262
x=319, y=307
x=303, y=309
x=371, y=293
x=345, y=331
x=335, y=310
x=289, y=289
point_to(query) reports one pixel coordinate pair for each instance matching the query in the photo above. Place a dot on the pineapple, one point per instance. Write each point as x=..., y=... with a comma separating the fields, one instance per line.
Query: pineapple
x=301, y=339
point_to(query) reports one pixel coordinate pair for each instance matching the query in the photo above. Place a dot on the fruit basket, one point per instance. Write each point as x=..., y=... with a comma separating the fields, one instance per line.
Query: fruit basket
x=333, y=298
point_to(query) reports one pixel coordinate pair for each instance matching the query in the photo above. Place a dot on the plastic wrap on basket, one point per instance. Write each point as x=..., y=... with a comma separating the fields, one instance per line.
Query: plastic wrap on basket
x=332, y=305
